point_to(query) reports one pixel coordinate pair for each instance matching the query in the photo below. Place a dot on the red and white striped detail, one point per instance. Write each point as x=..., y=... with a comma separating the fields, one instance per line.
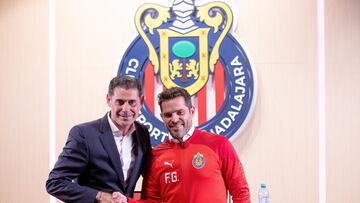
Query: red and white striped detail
x=207, y=101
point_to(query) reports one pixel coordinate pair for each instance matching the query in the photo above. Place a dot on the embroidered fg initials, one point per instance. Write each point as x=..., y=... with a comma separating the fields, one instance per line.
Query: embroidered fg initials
x=171, y=177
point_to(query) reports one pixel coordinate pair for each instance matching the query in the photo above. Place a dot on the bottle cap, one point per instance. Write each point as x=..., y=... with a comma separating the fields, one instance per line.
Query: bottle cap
x=263, y=185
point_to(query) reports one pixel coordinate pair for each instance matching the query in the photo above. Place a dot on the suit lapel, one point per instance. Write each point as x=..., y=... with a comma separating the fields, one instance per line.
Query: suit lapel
x=138, y=158
x=137, y=166
x=109, y=144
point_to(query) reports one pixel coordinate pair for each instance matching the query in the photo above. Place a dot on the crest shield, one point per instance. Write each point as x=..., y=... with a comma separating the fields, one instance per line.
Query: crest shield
x=181, y=62
x=192, y=46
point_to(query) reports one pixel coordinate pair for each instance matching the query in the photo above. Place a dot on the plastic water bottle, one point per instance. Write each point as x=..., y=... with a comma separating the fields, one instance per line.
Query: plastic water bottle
x=263, y=194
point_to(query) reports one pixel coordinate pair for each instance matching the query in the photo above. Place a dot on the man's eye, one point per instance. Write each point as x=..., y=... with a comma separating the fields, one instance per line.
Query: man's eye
x=119, y=102
x=167, y=115
x=132, y=102
x=180, y=113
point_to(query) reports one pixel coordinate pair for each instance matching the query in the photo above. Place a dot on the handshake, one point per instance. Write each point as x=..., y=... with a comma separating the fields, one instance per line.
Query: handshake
x=115, y=197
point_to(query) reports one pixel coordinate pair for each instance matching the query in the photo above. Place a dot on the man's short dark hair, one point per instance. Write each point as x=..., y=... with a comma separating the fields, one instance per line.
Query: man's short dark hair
x=172, y=93
x=125, y=82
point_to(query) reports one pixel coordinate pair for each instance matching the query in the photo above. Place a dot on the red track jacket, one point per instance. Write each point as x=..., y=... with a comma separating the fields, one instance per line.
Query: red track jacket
x=200, y=170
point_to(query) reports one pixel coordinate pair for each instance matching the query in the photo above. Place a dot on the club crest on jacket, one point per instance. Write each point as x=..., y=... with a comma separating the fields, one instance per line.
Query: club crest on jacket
x=198, y=161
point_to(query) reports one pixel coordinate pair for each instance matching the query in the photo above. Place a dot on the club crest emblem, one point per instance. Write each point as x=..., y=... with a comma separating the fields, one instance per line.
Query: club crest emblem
x=198, y=161
x=191, y=46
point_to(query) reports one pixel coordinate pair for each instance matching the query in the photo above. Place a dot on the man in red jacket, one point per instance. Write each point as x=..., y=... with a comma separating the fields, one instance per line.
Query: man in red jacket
x=192, y=166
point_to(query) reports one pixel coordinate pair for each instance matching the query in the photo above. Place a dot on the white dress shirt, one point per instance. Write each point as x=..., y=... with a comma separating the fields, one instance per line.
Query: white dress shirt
x=125, y=145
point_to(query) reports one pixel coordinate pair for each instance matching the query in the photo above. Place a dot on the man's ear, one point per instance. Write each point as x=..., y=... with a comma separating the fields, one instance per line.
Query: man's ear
x=142, y=99
x=108, y=99
x=161, y=113
x=192, y=110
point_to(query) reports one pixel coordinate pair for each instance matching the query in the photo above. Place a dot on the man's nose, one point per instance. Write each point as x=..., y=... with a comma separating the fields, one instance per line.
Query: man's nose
x=175, y=118
x=126, y=106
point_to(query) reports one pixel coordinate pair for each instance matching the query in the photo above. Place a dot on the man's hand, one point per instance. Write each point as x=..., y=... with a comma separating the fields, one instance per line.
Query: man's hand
x=115, y=197
x=119, y=198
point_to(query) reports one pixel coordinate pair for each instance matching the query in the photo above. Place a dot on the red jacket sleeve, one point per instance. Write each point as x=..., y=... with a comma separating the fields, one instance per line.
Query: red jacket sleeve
x=233, y=174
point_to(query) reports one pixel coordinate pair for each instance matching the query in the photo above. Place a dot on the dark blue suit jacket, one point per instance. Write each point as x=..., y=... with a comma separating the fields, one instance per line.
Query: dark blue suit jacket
x=90, y=162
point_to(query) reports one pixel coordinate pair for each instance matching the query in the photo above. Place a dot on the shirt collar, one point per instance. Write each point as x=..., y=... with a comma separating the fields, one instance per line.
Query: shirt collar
x=115, y=130
x=186, y=136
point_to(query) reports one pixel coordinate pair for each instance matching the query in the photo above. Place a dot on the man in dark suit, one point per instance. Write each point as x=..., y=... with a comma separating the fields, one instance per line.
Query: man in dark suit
x=105, y=157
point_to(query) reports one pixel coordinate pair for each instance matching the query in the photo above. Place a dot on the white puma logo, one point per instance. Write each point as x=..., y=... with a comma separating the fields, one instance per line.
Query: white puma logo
x=166, y=163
